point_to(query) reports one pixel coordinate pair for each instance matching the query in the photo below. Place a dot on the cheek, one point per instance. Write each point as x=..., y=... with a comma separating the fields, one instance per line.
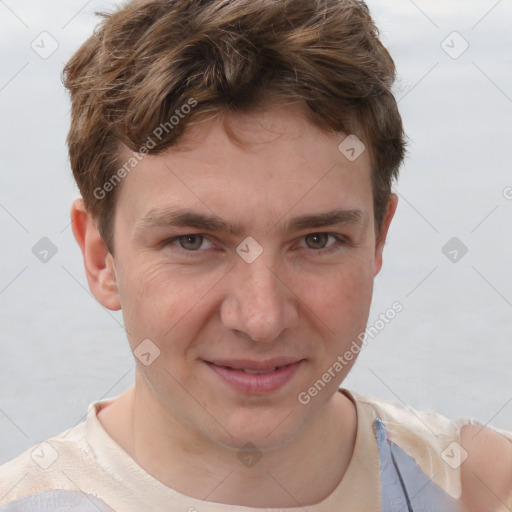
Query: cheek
x=157, y=302
x=340, y=297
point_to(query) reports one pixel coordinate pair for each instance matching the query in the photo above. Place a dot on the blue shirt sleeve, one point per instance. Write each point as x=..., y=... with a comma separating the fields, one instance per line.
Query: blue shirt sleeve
x=57, y=501
x=405, y=487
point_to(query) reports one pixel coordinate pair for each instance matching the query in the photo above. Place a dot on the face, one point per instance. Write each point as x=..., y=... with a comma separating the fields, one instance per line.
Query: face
x=250, y=268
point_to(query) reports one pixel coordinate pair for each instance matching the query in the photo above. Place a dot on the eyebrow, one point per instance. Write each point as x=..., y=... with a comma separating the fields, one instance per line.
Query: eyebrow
x=188, y=218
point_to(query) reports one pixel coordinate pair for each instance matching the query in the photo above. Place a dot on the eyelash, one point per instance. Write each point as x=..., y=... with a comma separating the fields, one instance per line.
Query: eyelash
x=333, y=248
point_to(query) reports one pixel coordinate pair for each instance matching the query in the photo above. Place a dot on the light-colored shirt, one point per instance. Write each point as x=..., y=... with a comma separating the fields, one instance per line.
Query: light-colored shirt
x=403, y=460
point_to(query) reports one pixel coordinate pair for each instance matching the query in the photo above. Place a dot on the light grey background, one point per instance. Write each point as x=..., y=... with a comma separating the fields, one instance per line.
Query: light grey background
x=450, y=349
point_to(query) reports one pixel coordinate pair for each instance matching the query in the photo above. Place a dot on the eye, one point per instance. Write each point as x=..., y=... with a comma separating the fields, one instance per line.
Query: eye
x=190, y=243
x=318, y=241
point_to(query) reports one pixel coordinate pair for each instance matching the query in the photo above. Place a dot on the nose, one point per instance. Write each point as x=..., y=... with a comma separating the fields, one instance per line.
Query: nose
x=258, y=301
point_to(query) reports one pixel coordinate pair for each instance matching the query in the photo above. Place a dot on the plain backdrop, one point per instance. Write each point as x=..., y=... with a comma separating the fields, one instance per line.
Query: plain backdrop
x=449, y=350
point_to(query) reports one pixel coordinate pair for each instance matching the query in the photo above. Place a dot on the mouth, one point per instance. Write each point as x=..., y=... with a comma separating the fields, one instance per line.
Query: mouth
x=256, y=377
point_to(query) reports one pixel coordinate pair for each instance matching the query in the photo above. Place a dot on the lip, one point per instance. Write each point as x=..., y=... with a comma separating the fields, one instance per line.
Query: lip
x=249, y=364
x=279, y=371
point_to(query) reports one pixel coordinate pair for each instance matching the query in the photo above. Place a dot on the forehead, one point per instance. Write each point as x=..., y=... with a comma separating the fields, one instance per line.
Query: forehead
x=264, y=163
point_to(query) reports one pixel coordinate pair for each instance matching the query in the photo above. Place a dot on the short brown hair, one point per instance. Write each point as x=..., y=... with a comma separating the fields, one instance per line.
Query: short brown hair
x=148, y=59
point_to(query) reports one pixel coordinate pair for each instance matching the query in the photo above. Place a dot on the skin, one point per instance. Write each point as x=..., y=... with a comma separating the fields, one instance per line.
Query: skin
x=486, y=475
x=180, y=421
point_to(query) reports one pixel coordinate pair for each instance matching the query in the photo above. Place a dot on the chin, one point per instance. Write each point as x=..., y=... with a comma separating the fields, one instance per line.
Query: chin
x=266, y=430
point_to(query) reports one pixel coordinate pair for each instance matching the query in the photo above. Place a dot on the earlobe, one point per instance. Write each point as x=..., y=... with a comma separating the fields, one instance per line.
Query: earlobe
x=98, y=262
x=381, y=240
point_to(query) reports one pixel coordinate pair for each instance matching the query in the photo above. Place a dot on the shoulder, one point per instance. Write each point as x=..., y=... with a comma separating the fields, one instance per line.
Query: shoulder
x=486, y=474
x=44, y=465
x=408, y=424
x=466, y=459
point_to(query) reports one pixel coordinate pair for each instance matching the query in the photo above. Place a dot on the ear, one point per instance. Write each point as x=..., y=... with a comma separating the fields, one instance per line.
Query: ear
x=98, y=262
x=379, y=244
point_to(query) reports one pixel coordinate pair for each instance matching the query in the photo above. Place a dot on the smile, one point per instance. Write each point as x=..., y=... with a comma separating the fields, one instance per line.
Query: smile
x=255, y=378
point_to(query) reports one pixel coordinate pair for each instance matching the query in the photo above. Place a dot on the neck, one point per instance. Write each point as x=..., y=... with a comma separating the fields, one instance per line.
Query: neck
x=196, y=466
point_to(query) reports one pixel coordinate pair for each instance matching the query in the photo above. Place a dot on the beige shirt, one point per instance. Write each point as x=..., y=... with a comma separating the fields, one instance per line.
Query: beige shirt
x=84, y=458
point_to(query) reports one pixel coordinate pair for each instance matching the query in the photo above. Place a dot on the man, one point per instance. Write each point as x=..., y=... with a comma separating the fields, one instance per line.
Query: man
x=235, y=160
